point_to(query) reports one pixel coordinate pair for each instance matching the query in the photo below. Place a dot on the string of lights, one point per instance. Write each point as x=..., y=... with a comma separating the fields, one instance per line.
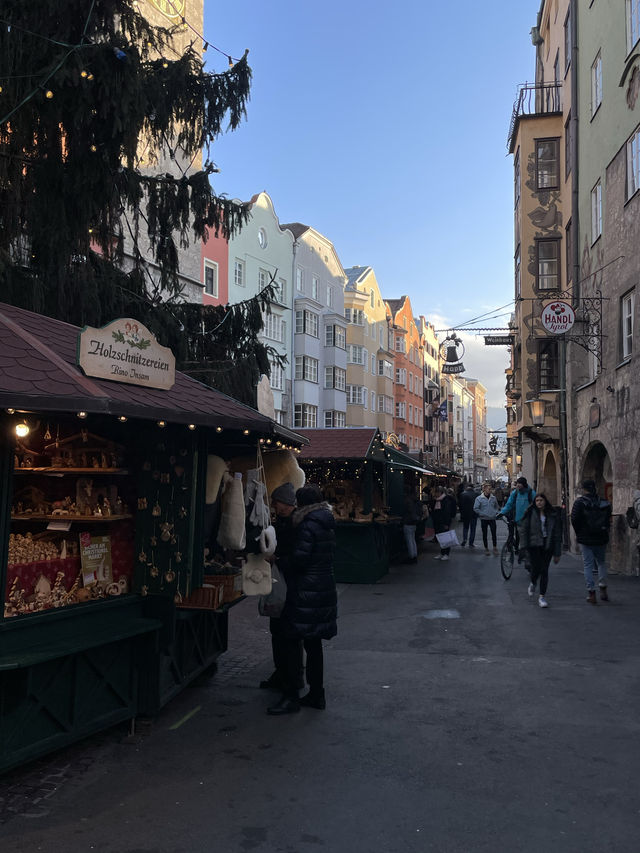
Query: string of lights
x=205, y=44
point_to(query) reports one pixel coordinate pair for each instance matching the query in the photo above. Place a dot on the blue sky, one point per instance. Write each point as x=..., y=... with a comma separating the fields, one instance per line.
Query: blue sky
x=384, y=128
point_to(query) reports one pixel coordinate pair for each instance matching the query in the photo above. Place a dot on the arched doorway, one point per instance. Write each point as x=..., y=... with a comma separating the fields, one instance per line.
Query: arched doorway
x=549, y=480
x=597, y=466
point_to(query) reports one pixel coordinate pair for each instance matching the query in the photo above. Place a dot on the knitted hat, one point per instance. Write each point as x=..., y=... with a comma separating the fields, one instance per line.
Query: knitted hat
x=522, y=480
x=589, y=486
x=284, y=494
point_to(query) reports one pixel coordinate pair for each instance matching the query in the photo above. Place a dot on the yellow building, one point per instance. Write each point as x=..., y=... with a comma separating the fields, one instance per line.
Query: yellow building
x=370, y=361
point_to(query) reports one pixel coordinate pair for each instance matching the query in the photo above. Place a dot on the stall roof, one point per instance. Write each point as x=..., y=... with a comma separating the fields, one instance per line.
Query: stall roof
x=354, y=443
x=350, y=443
x=38, y=371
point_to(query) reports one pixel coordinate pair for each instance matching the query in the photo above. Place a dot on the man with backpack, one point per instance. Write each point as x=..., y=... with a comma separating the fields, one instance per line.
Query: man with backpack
x=519, y=502
x=590, y=518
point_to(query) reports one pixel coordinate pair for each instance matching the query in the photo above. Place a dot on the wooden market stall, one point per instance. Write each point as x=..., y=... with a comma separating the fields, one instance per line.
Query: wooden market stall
x=363, y=478
x=105, y=511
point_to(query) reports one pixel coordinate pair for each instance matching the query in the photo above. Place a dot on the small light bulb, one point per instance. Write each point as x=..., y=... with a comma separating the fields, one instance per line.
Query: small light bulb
x=165, y=64
x=122, y=419
x=218, y=429
x=162, y=424
x=90, y=77
x=94, y=148
x=48, y=94
x=82, y=415
x=84, y=73
x=191, y=426
x=245, y=432
x=22, y=430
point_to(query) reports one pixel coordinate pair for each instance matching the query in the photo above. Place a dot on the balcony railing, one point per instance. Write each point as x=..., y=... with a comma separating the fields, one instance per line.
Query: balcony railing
x=535, y=99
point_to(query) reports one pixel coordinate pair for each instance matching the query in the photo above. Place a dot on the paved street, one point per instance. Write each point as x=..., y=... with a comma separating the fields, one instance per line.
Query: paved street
x=461, y=717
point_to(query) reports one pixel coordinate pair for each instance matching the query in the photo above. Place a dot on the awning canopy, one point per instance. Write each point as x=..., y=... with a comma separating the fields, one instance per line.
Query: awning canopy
x=38, y=372
x=357, y=443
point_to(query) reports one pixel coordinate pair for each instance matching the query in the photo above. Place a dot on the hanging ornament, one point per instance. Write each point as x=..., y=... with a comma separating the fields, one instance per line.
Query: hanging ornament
x=142, y=503
x=47, y=435
x=157, y=510
x=144, y=590
x=154, y=571
x=182, y=512
x=178, y=556
x=165, y=531
x=169, y=576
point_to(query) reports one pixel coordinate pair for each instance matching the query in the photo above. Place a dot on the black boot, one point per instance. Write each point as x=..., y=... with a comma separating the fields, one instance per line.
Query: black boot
x=284, y=706
x=314, y=700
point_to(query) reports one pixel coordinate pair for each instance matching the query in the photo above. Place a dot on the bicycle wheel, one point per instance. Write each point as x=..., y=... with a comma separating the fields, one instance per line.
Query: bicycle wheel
x=507, y=559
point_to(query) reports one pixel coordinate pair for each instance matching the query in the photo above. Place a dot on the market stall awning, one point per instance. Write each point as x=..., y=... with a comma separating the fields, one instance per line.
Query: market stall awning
x=350, y=443
x=38, y=371
x=398, y=459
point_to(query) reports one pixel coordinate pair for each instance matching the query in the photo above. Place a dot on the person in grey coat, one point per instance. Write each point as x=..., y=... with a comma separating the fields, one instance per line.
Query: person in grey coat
x=486, y=507
x=541, y=535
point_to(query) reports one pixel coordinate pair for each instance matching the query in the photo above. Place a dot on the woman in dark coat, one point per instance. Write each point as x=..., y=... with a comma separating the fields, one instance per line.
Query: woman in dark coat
x=443, y=512
x=541, y=535
x=311, y=608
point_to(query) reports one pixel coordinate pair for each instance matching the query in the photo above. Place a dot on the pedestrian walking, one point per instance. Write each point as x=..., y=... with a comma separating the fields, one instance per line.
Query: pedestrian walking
x=487, y=509
x=468, y=517
x=443, y=512
x=541, y=536
x=411, y=516
x=591, y=518
x=283, y=501
x=311, y=609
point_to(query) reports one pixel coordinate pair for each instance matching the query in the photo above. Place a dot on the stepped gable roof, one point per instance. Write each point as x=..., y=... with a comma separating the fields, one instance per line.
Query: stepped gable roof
x=38, y=371
x=395, y=304
x=349, y=443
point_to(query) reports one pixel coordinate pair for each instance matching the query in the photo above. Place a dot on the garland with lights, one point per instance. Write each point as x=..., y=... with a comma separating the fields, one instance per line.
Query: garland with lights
x=84, y=86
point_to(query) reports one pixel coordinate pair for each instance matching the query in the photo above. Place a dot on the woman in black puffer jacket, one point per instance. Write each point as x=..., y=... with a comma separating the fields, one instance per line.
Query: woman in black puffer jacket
x=311, y=608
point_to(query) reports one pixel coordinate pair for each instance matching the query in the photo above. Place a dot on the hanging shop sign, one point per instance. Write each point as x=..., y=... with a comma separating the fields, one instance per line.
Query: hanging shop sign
x=558, y=317
x=498, y=340
x=453, y=349
x=126, y=351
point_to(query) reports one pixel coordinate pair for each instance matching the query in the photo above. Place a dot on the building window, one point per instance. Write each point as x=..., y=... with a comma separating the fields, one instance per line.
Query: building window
x=262, y=238
x=334, y=336
x=334, y=420
x=385, y=368
x=273, y=327
x=280, y=292
x=410, y=413
x=238, y=273
x=355, y=354
x=568, y=241
x=633, y=23
x=356, y=395
x=568, y=146
x=314, y=287
x=306, y=368
x=354, y=315
x=548, y=266
x=329, y=296
x=210, y=278
x=305, y=416
x=633, y=164
x=516, y=179
x=299, y=280
x=307, y=323
x=596, y=212
x=627, y=307
x=401, y=410
x=401, y=344
x=547, y=164
x=518, y=273
x=335, y=377
x=596, y=84
x=567, y=40
x=548, y=366
x=276, y=378
x=401, y=376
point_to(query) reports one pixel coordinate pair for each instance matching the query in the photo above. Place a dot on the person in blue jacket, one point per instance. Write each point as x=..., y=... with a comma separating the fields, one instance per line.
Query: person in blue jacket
x=519, y=502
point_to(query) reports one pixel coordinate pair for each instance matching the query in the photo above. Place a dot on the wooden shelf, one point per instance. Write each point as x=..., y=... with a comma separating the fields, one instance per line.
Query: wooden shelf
x=94, y=471
x=100, y=519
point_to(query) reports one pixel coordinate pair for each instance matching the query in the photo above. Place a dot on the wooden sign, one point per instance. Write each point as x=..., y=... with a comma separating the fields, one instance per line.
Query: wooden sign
x=126, y=351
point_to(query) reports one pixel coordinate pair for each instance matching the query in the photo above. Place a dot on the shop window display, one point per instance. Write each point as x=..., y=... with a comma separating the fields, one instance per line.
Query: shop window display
x=72, y=520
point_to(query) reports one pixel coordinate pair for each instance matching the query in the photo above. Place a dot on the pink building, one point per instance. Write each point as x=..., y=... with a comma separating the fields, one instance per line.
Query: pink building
x=214, y=270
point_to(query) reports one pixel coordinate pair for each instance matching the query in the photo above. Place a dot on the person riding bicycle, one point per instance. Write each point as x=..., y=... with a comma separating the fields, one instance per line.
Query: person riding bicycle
x=519, y=502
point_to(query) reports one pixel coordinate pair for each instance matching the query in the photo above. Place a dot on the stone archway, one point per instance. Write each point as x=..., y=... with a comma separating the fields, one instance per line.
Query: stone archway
x=597, y=466
x=549, y=480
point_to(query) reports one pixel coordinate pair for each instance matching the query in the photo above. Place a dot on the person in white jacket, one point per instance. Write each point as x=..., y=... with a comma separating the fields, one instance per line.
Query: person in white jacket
x=486, y=508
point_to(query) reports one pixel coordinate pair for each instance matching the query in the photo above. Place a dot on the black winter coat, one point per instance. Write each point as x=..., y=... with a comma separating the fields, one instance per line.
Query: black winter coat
x=311, y=609
x=586, y=533
x=466, y=502
x=530, y=528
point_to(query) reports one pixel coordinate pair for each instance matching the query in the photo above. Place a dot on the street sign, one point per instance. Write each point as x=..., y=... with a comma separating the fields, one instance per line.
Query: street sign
x=498, y=340
x=558, y=317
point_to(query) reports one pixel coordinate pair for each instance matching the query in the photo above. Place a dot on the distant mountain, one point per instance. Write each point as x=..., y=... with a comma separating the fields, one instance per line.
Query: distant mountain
x=496, y=417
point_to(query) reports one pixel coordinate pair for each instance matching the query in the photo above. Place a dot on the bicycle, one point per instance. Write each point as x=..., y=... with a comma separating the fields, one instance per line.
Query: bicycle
x=509, y=551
